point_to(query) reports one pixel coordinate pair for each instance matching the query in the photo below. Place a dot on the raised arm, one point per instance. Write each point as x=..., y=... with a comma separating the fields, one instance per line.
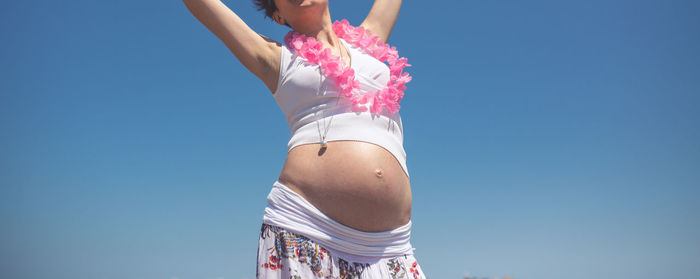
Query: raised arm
x=381, y=18
x=259, y=54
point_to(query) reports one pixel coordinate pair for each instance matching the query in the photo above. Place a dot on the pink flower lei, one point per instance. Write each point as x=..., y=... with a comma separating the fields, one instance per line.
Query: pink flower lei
x=332, y=67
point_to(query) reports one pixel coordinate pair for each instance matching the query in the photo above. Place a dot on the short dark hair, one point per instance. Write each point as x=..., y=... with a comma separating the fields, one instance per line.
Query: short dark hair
x=269, y=7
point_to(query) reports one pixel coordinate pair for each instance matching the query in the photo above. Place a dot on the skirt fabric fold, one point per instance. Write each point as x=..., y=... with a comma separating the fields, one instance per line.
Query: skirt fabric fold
x=298, y=241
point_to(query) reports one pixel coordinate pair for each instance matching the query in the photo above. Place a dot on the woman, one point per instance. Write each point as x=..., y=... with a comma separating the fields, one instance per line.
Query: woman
x=341, y=207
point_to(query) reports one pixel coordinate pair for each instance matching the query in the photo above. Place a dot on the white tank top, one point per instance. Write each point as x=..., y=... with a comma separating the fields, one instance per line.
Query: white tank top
x=307, y=98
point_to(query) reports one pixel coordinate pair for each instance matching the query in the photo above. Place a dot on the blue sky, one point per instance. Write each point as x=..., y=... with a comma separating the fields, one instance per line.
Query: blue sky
x=545, y=139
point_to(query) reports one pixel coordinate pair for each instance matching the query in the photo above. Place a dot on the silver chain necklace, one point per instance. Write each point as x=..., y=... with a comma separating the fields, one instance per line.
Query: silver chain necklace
x=323, y=142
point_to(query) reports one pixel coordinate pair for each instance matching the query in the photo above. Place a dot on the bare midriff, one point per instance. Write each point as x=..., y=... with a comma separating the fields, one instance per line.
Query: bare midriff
x=358, y=184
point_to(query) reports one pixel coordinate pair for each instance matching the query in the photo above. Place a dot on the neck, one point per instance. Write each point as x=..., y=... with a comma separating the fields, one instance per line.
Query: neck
x=321, y=30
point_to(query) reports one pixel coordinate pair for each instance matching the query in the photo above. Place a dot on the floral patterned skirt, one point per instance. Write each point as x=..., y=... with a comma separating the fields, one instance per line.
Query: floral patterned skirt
x=288, y=255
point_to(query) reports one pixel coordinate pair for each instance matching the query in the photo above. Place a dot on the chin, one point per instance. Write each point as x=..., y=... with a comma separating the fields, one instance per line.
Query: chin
x=311, y=2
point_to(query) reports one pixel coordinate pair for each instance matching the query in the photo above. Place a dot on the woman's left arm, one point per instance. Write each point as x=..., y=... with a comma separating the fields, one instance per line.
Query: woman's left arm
x=381, y=18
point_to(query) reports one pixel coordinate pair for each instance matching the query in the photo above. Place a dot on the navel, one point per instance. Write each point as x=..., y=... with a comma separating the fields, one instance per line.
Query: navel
x=378, y=172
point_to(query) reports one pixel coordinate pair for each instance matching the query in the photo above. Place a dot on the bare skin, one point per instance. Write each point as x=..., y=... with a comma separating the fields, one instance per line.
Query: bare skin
x=358, y=184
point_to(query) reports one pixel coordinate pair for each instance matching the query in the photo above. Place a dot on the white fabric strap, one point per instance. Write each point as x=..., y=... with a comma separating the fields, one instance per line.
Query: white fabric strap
x=287, y=209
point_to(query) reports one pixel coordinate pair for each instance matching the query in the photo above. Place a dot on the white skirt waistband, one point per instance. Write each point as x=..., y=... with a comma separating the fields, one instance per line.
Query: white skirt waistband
x=287, y=209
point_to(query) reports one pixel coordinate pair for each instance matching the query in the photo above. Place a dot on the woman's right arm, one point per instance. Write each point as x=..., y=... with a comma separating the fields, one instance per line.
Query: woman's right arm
x=259, y=54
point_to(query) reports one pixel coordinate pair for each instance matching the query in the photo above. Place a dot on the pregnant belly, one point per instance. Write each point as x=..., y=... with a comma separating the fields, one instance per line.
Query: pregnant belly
x=359, y=184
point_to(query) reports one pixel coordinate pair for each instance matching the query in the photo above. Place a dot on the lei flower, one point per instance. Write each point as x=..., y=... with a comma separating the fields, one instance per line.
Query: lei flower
x=334, y=68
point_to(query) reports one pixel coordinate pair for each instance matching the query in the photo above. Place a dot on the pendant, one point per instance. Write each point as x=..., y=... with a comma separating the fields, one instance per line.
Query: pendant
x=324, y=143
